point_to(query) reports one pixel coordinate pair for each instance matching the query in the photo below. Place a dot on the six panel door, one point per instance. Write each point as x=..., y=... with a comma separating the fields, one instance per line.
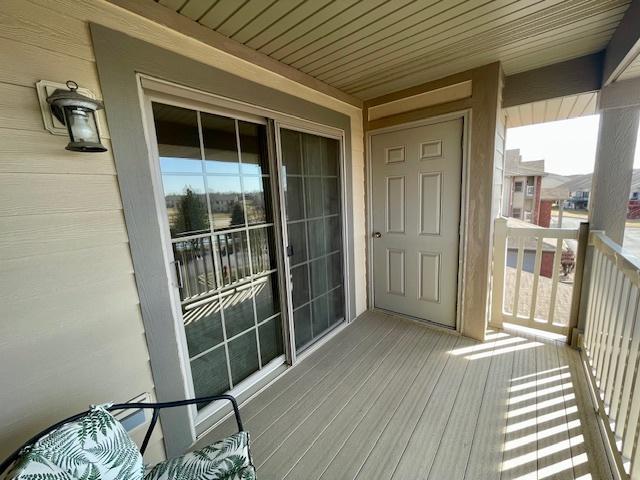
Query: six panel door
x=416, y=187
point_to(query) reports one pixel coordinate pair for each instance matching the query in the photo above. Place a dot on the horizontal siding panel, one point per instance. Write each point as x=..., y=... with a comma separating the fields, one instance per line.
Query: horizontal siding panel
x=26, y=151
x=107, y=376
x=67, y=345
x=30, y=278
x=93, y=304
x=19, y=108
x=25, y=194
x=43, y=27
x=32, y=235
x=44, y=65
x=127, y=359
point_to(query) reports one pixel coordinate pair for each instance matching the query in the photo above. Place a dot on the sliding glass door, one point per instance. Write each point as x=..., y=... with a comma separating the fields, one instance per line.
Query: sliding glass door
x=311, y=178
x=220, y=209
x=217, y=189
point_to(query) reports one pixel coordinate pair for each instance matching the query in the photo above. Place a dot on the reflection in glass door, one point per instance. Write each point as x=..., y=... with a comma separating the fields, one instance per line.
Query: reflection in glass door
x=216, y=180
x=311, y=178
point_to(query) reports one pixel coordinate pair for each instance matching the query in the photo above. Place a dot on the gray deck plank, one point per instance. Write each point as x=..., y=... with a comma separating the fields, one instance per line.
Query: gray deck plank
x=519, y=459
x=277, y=398
x=390, y=398
x=390, y=445
x=353, y=368
x=355, y=447
x=361, y=385
x=325, y=376
x=553, y=447
x=418, y=456
x=486, y=448
x=455, y=446
x=589, y=456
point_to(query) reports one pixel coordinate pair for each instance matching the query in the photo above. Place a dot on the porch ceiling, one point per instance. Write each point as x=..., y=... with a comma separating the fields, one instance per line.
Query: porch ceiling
x=554, y=109
x=370, y=48
x=632, y=71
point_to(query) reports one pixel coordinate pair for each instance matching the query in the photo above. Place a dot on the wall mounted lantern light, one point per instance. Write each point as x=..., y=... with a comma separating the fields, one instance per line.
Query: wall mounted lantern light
x=78, y=113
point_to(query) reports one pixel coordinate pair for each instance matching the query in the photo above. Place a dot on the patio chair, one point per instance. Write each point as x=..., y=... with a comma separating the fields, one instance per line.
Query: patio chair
x=93, y=445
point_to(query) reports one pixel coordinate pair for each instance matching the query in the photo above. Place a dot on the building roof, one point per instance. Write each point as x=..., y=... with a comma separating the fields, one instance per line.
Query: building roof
x=514, y=166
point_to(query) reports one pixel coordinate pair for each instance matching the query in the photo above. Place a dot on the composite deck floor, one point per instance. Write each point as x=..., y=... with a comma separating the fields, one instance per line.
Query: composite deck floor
x=387, y=398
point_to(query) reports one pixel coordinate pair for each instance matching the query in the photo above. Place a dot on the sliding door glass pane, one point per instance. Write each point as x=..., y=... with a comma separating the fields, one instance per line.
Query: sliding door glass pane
x=216, y=179
x=314, y=217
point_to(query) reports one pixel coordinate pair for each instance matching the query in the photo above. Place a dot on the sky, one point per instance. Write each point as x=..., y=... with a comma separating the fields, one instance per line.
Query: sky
x=567, y=146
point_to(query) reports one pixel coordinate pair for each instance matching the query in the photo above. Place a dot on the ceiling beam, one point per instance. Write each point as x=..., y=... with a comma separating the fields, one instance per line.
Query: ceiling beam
x=624, y=46
x=621, y=94
x=173, y=20
x=580, y=75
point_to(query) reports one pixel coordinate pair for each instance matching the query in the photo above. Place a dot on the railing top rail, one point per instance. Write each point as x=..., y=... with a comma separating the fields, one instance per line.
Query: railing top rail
x=564, y=233
x=628, y=263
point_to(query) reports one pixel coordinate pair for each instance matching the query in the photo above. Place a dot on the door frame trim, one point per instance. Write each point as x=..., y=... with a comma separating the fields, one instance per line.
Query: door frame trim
x=465, y=115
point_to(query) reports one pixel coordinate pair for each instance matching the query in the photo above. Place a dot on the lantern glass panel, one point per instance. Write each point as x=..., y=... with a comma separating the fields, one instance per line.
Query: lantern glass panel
x=82, y=125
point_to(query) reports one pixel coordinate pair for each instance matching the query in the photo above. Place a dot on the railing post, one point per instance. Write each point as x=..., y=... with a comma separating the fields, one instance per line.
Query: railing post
x=578, y=277
x=499, y=262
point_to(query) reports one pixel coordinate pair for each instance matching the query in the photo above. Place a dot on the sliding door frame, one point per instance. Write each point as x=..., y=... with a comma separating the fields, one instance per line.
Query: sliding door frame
x=335, y=134
x=161, y=91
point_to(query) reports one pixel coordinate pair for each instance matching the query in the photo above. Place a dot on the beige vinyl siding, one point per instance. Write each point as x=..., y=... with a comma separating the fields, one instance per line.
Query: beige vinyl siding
x=72, y=332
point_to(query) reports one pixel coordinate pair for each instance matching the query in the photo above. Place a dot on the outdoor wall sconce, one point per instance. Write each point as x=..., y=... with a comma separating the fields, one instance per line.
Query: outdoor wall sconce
x=78, y=113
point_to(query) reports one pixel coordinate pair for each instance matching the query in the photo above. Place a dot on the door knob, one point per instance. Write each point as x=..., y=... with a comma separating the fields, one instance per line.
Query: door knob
x=377, y=235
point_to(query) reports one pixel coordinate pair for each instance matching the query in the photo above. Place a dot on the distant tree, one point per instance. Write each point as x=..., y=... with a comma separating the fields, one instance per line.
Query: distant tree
x=237, y=214
x=191, y=215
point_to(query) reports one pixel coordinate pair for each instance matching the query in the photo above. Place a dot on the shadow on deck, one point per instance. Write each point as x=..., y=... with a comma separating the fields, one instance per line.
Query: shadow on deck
x=389, y=398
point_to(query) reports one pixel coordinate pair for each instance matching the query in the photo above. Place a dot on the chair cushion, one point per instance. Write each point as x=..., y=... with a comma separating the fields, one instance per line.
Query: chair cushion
x=94, y=447
x=227, y=459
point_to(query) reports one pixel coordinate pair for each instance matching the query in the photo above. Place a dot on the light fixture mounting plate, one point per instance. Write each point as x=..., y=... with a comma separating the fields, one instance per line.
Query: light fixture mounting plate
x=45, y=88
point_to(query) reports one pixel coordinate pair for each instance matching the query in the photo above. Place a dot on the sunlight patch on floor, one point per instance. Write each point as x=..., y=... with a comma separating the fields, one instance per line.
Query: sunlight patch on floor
x=538, y=374
x=534, y=437
x=541, y=419
x=536, y=383
x=539, y=393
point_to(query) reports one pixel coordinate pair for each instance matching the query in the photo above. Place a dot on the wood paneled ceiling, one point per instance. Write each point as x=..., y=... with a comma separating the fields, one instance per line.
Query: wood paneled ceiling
x=633, y=70
x=372, y=47
x=552, y=110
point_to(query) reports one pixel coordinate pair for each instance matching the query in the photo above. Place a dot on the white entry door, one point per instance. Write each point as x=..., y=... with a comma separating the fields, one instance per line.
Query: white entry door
x=416, y=187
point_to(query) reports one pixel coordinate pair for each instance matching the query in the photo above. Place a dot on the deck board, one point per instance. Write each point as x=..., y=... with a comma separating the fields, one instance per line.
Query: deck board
x=390, y=398
x=486, y=448
x=368, y=407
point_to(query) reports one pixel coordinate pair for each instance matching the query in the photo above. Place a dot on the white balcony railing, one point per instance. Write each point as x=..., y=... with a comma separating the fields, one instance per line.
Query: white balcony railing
x=611, y=348
x=527, y=287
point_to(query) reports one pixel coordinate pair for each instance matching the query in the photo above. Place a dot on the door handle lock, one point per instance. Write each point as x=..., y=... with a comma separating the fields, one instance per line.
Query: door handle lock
x=377, y=234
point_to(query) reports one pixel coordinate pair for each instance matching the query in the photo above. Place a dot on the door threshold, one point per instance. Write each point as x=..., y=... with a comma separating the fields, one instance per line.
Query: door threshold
x=421, y=321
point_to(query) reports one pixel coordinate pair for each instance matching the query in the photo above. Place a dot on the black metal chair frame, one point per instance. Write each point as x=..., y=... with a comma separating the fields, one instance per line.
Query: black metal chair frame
x=156, y=407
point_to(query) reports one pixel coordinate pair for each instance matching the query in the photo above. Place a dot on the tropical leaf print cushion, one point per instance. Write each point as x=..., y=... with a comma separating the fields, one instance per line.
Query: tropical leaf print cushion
x=96, y=447
x=224, y=460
